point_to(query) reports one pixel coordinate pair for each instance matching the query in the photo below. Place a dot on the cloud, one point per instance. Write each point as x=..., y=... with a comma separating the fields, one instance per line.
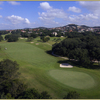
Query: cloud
x=93, y=6
x=0, y=8
x=27, y=21
x=13, y=3
x=0, y=16
x=17, y=19
x=45, y=5
x=1, y=2
x=74, y=9
x=50, y=14
x=88, y=19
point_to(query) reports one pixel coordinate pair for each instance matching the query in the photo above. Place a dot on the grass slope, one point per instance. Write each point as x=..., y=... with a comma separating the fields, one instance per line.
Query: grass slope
x=28, y=53
x=41, y=70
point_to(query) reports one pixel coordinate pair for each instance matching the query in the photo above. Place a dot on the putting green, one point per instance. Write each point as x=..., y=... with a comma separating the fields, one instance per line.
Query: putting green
x=74, y=79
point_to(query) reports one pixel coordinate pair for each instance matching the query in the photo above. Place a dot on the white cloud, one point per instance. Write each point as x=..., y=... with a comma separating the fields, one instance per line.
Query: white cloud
x=48, y=17
x=27, y=21
x=1, y=2
x=45, y=5
x=0, y=16
x=0, y=8
x=74, y=9
x=93, y=6
x=14, y=3
x=17, y=19
x=88, y=19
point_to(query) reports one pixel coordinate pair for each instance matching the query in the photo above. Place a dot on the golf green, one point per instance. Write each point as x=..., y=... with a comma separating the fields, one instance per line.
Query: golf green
x=73, y=79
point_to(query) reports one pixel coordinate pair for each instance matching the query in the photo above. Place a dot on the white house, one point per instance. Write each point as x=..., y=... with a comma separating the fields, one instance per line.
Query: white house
x=55, y=33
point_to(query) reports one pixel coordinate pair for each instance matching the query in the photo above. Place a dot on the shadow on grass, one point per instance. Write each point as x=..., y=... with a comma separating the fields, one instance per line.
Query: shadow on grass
x=39, y=40
x=49, y=52
x=76, y=63
x=73, y=63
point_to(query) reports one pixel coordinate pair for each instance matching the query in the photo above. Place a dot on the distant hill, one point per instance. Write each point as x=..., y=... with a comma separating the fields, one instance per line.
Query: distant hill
x=72, y=25
x=27, y=28
x=84, y=26
x=96, y=27
x=42, y=27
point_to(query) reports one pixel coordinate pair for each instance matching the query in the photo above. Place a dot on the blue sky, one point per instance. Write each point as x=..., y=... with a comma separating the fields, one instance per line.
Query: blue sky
x=32, y=14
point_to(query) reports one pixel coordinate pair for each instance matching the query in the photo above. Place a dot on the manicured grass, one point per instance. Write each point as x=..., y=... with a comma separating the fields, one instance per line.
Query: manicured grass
x=74, y=79
x=28, y=53
x=41, y=70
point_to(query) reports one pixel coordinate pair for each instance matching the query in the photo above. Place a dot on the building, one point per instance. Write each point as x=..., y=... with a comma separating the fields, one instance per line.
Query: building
x=54, y=33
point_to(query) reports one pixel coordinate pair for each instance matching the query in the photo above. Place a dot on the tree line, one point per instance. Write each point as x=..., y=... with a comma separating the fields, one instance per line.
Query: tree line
x=85, y=49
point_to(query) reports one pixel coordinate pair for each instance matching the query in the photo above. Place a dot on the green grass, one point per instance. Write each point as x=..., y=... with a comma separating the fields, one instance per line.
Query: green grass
x=28, y=53
x=74, y=79
x=41, y=70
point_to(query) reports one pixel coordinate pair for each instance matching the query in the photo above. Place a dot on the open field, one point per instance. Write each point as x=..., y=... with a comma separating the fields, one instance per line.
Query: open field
x=41, y=70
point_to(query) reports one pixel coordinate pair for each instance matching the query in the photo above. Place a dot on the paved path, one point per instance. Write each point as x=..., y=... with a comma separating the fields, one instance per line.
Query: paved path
x=59, y=56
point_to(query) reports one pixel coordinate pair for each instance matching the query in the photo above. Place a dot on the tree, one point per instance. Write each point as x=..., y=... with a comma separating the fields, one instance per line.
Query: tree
x=44, y=39
x=11, y=38
x=45, y=95
x=29, y=39
x=30, y=94
x=72, y=95
x=1, y=38
x=9, y=82
x=33, y=35
x=8, y=70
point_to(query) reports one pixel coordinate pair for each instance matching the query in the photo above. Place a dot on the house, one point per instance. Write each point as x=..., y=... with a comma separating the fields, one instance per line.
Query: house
x=23, y=31
x=54, y=33
x=29, y=32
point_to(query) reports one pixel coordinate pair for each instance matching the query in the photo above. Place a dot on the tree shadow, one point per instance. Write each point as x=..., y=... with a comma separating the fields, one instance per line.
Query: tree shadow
x=75, y=63
x=49, y=52
x=39, y=40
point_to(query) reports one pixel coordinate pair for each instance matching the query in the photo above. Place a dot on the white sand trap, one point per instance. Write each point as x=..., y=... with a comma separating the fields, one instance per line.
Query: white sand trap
x=37, y=43
x=66, y=65
x=21, y=38
x=32, y=42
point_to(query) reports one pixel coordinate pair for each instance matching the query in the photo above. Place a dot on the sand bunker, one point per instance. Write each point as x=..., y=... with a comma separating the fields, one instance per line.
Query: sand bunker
x=32, y=42
x=21, y=38
x=66, y=65
x=37, y=43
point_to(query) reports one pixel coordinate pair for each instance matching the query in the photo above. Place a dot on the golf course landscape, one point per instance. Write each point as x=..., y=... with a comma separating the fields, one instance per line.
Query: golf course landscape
x=42, y=71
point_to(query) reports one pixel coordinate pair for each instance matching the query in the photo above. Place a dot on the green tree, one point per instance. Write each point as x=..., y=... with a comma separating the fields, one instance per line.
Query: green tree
x=29, y=39
x=30, y=94
x=45, y=95
x=72, y=95
x=44, y=39
x=9, y=82
x=8, y=70
x=11, y=38
x=1, y=38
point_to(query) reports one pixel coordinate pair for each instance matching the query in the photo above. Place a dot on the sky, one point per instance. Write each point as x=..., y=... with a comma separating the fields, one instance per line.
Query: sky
x=32, y=14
